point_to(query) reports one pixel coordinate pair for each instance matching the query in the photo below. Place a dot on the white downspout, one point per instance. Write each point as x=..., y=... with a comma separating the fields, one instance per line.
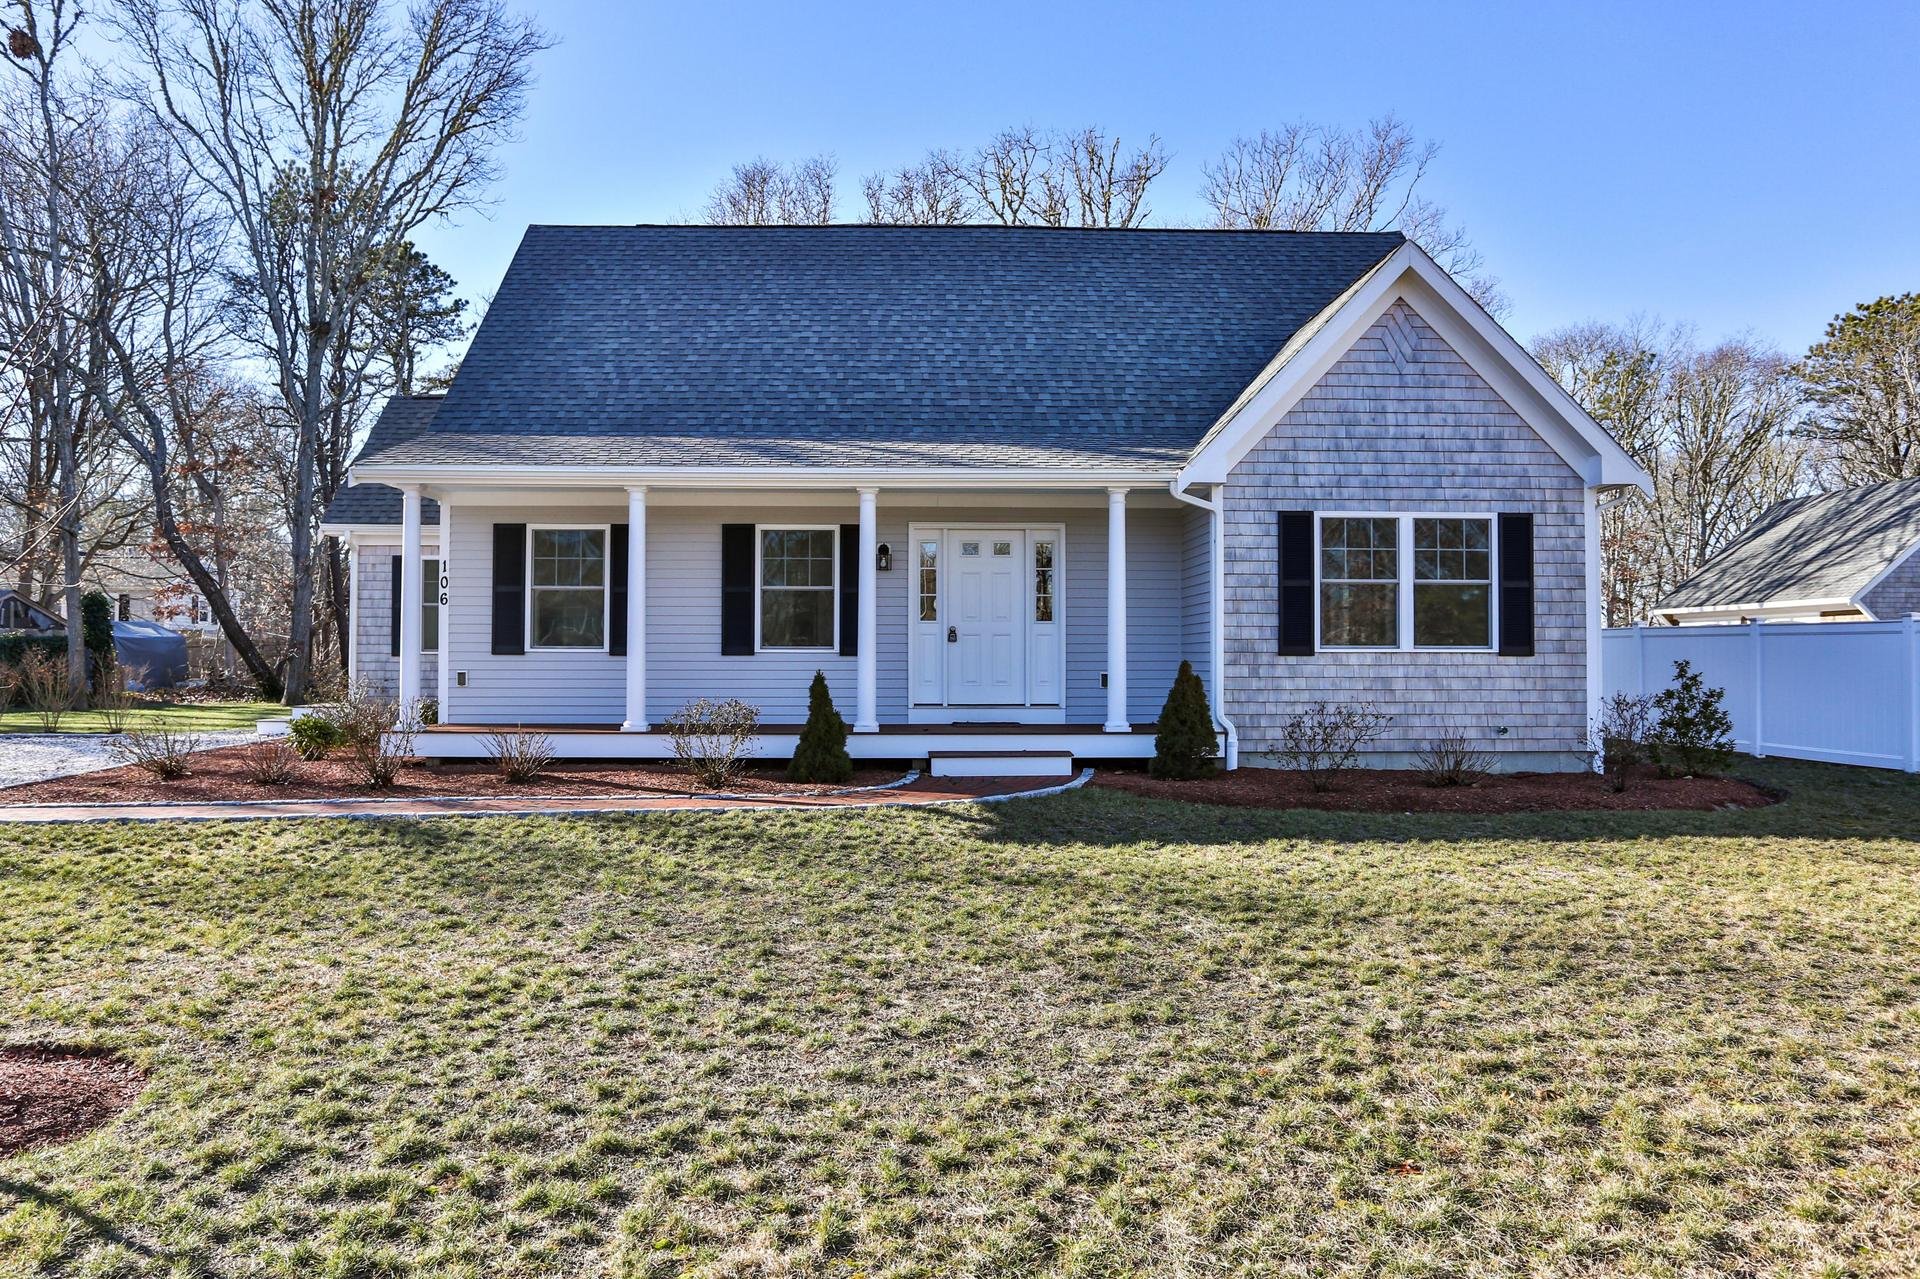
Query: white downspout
x=1217, y=634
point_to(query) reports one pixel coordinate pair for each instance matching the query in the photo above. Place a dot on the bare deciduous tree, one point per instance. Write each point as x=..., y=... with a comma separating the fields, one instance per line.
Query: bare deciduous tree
x=1313, y=177
x=1023, y=177
x=762, y=193
x=924, y=194
x=1715, y=429
x=40, y=288
x=328, y=129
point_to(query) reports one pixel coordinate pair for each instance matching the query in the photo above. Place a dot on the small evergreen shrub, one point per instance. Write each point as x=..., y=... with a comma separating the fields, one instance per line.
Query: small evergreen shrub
x=821, y=754
x=96, y=626
x=1184, y=747
x=1693, y=734
x=315, y=735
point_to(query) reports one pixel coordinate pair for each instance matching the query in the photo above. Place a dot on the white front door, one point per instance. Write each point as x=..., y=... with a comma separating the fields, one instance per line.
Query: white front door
x=984, y=588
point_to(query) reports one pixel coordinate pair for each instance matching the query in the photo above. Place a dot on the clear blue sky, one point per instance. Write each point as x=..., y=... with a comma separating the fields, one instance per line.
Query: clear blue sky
x=1750, y=166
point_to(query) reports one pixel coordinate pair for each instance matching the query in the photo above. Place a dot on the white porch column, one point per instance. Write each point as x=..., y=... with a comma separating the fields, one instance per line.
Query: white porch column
x=444, y=553
x=1117, y=612
x=411, y=596
x=636, y=721
x=866, y=714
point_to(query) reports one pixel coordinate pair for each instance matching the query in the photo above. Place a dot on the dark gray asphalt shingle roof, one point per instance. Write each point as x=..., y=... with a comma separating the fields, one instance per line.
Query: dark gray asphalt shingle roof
x=403, y=418
x=1829, y=546
x=865, y=346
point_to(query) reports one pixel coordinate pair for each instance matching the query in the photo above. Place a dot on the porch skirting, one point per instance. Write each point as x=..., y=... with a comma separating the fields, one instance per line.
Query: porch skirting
x=777, y=741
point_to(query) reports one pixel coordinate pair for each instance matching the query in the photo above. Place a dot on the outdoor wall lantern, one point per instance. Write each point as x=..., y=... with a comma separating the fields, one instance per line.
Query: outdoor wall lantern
x=884, y=557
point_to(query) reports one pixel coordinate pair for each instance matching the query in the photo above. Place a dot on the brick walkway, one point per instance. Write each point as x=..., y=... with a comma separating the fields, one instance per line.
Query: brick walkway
x=920, y=793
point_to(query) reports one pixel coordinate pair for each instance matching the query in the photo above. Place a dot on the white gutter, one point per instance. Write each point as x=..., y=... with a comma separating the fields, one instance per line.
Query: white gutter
x=800, y=476
x=1217, y=657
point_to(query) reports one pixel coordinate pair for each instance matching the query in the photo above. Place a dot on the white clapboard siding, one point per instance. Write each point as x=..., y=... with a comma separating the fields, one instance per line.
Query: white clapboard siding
x=683, y=626
x=1373, y=435
x=1842, y=692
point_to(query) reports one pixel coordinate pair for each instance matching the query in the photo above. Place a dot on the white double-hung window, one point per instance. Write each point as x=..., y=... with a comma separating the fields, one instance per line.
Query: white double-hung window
x=1405, y=581
x=567, y=587
x=799, y=584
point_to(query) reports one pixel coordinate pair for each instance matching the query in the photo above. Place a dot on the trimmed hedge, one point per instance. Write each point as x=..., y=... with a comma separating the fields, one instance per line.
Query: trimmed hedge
x=15, y=645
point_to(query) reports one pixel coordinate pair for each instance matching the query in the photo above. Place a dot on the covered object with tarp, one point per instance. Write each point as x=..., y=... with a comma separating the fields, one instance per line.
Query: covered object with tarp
x=152, y=655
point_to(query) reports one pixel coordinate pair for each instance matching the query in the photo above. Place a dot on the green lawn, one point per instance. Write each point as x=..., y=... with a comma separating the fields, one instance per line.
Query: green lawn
x=1090, y=1035
x=200, y=717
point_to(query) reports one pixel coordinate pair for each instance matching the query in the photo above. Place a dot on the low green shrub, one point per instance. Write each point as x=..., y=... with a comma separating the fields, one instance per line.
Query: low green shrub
x=316, y=734
x=1693, y=734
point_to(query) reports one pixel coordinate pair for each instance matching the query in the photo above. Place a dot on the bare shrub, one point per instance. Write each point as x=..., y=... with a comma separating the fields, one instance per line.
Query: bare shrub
x=112, y=694
x=9, y=685
x=519, y=757
x=1324, y=738
x=271, y=761
x=1620, y=738
x=378, y=732
x=158, y=748
x=711, y=738
x=43, y=686
x=1453, y=761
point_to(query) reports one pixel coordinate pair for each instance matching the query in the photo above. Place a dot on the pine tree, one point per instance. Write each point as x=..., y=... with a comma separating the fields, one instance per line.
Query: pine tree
x=821, y=753
x=1185, y=745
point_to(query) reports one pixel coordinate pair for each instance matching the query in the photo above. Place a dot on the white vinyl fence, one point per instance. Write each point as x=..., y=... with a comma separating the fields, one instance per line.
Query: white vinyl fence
x=1842, y=692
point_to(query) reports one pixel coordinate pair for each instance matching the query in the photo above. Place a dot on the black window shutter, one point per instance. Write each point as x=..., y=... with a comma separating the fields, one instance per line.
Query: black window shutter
x=509, y=589
x=617, y=592
x=1516, y=585
x=736, y=590
x=393, y=612
x=849, y=590
x=1296, y=583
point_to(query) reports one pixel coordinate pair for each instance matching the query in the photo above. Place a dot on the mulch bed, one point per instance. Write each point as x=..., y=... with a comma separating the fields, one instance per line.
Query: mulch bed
x=50, y=1095
x=218, y=775
x=1395, y=791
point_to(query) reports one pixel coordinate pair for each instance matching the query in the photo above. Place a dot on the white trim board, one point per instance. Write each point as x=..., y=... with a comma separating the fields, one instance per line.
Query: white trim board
x=1409, y=275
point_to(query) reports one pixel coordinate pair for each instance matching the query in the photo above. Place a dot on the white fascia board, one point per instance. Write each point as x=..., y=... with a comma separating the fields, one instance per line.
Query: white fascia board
x=376, y=533
x=1772, y=608
x=772, y=477
x=1408, y=273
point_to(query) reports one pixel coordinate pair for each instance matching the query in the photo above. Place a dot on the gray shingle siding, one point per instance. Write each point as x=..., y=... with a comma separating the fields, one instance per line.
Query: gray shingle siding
x=1369, y=437
x=374, y=664
x=1899, y=593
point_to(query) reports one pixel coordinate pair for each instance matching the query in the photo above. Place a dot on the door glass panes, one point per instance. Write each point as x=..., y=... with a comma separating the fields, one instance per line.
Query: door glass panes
x=1043, y=581
x=929, y=581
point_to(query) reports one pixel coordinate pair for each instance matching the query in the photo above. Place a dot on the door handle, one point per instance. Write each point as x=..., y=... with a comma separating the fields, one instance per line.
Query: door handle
x=953, y=635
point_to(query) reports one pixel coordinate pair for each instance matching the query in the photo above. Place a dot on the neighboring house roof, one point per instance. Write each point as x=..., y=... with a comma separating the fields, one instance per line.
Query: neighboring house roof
x=1826, y=549
x=875, y=346
x=18, y=613
x=403, y=418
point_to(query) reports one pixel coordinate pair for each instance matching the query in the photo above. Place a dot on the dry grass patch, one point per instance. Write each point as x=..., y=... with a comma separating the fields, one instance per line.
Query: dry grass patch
x=1091, y=1035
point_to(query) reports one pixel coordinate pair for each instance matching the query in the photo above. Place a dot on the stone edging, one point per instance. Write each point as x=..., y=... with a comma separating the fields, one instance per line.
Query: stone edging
x=748, y=804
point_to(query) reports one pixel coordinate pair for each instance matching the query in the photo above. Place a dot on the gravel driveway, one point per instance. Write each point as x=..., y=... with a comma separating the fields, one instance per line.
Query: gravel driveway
x=36, y=757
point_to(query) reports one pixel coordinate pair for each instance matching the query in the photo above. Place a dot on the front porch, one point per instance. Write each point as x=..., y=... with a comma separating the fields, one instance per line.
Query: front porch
x=945, y=619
